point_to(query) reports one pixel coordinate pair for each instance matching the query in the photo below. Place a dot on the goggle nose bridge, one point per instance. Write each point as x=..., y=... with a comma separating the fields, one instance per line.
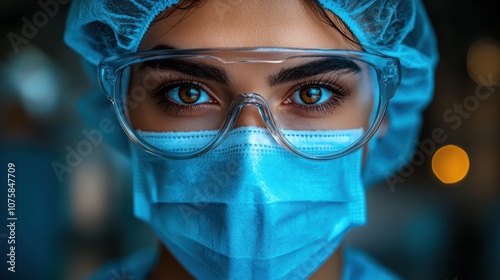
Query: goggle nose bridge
x=250, y=99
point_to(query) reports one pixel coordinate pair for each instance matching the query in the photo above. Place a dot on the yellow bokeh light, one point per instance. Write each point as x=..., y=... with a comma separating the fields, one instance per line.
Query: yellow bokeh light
x=483, y=62
x=450, y=164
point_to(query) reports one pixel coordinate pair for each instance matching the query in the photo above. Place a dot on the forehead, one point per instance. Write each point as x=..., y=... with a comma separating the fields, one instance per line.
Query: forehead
x=249, y=23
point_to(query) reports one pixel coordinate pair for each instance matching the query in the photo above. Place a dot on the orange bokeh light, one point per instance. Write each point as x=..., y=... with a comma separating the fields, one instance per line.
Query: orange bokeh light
x=450, y=164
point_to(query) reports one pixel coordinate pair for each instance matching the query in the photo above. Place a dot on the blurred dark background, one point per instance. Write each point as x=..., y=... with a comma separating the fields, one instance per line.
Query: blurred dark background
x=72, y=221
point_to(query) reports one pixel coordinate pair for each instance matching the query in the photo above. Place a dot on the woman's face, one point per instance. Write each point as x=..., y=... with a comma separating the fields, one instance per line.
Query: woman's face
x=233, y=24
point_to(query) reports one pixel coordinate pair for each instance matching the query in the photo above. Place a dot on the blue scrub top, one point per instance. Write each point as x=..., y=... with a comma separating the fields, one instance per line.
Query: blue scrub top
x=357, y=266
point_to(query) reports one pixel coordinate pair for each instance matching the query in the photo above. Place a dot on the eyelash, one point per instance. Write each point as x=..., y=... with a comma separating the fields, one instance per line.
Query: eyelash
x=167, y=84
x=340, y=90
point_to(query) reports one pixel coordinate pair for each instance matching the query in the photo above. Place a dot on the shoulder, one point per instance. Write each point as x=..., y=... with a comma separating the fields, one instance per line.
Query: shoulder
x=136, y=266
x=358, y=265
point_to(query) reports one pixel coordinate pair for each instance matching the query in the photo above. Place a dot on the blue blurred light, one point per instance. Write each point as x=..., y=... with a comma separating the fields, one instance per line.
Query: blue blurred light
x=34, y=78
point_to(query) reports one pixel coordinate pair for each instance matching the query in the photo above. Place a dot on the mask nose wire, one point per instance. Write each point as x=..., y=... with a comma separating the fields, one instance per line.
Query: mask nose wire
x=251, y=99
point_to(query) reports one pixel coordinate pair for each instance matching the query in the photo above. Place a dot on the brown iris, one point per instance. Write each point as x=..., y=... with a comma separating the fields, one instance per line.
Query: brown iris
x=189, y=94
x=310, y=95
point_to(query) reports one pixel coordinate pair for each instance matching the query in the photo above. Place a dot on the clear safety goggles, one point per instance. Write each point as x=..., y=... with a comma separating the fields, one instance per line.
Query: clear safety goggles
x=288, y=91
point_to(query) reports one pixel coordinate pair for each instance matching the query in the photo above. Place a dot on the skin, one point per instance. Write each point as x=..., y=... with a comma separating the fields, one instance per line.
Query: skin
x=287, y=23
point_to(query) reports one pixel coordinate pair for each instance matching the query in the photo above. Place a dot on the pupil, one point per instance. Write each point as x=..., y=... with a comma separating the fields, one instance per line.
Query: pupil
x=189, y=94
x=310, y=95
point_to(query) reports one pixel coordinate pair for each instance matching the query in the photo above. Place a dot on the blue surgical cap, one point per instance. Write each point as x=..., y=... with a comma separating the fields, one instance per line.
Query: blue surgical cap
x=101, y=28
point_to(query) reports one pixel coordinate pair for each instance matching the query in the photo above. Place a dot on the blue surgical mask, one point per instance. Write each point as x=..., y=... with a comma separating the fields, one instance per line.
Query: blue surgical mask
x=249, y=208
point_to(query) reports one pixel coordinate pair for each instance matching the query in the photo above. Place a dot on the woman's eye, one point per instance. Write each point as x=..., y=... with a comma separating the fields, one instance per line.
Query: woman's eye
x=188, y=94
x=311, y=95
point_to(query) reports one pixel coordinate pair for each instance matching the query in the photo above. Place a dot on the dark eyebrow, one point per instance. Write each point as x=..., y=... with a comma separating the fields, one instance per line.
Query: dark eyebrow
x=195, y=69
x=317, y=67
